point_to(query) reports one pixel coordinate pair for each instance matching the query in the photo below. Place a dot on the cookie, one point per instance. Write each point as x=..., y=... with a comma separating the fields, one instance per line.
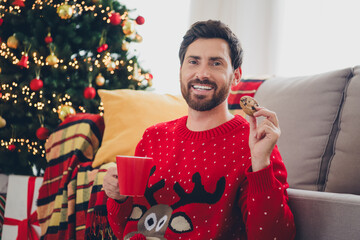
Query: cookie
x=248, y=104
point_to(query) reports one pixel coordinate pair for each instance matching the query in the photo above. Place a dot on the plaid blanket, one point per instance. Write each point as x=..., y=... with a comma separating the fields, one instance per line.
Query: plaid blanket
x=2, y=211
x=97, y=225
x=71, y=191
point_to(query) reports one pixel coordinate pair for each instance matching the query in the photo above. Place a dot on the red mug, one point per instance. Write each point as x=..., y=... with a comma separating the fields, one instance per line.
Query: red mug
x=133, y=174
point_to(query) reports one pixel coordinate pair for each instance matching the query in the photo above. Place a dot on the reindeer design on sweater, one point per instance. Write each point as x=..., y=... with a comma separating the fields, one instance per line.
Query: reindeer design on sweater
x=153, y=222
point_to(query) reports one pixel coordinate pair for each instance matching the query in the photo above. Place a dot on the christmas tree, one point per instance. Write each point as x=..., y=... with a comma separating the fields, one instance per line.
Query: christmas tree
x=54, y=55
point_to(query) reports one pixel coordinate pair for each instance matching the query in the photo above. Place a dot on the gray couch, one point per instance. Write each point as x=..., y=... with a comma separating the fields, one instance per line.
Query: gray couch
x=320, y=143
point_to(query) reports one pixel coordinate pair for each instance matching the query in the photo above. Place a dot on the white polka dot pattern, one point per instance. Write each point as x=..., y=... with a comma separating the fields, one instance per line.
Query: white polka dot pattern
x=218, y=153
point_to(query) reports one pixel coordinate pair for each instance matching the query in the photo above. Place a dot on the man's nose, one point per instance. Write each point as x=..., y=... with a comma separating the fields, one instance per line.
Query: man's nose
x=203, y=72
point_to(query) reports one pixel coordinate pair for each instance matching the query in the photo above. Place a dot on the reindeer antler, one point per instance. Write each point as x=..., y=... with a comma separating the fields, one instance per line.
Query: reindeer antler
x=198, y=195
x=149, y=192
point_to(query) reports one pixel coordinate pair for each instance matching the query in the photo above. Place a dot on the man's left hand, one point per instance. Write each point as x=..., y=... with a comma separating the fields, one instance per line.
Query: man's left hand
x=263, y=137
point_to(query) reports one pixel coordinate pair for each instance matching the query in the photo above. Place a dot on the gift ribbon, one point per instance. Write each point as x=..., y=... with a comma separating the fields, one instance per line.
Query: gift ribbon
x=25, y=227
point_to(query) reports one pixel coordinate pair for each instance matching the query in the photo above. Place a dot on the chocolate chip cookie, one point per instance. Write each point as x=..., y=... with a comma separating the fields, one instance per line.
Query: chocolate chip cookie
x=248, y=104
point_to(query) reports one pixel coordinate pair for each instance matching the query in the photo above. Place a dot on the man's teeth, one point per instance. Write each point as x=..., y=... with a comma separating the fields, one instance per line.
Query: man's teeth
x=201, y=87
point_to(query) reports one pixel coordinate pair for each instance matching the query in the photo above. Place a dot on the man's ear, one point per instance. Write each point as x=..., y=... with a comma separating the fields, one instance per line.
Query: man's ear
x=237, y=76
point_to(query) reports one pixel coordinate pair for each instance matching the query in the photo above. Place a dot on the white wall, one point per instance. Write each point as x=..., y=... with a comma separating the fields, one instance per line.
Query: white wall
x=279, y=37
x=253, y=21
x=317, y=36
x=165, y=24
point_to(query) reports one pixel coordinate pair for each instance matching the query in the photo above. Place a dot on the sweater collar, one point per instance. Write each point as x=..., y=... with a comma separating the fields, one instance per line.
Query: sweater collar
x=222, y=129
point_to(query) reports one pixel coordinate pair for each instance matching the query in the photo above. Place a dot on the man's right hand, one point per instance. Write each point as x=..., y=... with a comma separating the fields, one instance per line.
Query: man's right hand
x=111, y=184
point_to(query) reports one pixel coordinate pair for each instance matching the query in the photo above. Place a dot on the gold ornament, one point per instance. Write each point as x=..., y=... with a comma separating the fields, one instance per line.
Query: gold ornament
x=125, y=45
x=65, y=11
x=52, y=59
x=100, y=80
x=138, y=38
x=2, y=122
x=65, y=111
x=12, y=42
x=128, y=27
x=111, y=66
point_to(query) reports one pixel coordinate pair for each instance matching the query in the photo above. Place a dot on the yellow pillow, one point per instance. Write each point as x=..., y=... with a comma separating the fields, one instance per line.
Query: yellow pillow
x=127, y=113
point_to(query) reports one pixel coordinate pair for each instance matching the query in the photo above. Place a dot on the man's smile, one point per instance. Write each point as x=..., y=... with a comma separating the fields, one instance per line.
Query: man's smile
x=202, y=87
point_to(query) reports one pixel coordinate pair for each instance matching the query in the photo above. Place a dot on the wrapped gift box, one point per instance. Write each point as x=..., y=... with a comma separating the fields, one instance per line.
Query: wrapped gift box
x=20, y=209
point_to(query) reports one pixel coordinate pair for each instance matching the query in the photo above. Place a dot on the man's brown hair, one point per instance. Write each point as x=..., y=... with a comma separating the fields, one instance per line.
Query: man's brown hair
x=213, y=29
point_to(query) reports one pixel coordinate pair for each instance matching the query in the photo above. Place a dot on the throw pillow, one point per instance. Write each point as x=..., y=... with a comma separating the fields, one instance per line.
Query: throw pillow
x=127, y=114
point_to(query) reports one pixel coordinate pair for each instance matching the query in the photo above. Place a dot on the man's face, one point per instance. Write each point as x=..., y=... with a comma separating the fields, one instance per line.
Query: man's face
x=206, y=73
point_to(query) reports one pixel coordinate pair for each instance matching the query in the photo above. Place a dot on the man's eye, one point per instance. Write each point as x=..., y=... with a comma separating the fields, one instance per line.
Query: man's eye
x=192, y=62
x=216, y=63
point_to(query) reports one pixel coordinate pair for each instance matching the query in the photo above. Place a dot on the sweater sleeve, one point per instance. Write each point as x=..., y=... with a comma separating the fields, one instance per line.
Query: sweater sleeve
x=264, y=202
x=118, y=214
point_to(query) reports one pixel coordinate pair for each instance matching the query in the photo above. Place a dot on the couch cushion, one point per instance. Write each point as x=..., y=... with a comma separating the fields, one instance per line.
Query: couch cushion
x=344, y=168
x=324, y=216
x=307, y=108
x=127, y=113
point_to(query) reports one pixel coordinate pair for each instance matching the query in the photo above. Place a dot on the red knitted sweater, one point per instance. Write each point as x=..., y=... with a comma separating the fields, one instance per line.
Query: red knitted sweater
x=203, y=188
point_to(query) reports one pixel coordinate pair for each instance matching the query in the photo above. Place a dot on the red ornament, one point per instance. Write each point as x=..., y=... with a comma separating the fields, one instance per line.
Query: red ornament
x=140, y=20
x=115, y=18
x=149, y=76
x=89, y=92
x=100, y=49
x=48, y=39
x=105, y=46
x=23, y=61
x=11, y=147
x=1, y=21
x=19, y=3
x=42, y=133
x=36, y=84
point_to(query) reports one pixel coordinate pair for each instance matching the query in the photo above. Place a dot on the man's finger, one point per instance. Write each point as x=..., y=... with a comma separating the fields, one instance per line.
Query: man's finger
x=253, y=124
x=270, y=115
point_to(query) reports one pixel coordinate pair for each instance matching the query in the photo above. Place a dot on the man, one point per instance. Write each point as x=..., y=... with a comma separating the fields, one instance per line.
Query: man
x=217, y=176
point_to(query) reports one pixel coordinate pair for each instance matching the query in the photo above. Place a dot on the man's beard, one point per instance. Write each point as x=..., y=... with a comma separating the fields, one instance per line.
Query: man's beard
x=197, y=102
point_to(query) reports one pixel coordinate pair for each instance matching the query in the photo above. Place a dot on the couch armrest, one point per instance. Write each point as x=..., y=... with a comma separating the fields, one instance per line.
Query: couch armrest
x=324, y=215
